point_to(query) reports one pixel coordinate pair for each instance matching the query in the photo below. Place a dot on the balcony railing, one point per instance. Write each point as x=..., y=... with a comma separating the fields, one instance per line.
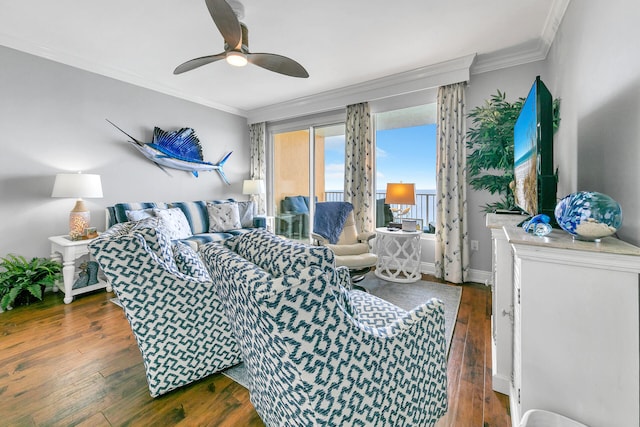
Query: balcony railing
x=424, y=208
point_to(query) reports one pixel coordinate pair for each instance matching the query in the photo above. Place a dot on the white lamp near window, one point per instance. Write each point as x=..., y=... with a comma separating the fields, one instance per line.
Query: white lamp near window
x=400, y=194
x=77, y=185
x=254, y=188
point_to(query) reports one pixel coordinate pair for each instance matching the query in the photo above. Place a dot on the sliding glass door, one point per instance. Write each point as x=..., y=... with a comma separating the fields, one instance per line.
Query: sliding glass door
x=308, y=165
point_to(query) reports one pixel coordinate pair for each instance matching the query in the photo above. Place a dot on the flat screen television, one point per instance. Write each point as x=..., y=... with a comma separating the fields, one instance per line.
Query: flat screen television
x=535, y=181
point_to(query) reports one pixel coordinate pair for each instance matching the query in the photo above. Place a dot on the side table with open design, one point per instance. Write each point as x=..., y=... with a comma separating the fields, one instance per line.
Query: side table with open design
x=68, y=251
x=398, y=255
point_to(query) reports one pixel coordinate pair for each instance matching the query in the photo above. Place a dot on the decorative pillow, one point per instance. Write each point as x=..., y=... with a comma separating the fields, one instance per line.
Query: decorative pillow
x=155, y=234
x=138, y=214
x=196, y=214
x=175, y=222
x=245, y=210
x=118, y=211
x=223, y=217
x=188, y=262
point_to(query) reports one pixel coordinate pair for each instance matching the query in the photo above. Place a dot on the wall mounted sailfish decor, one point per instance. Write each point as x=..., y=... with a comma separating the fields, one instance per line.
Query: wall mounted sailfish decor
x=180, y=150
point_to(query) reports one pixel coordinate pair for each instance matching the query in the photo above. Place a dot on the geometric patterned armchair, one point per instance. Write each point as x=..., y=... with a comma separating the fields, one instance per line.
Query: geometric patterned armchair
x=319, y=353
x=170, y=302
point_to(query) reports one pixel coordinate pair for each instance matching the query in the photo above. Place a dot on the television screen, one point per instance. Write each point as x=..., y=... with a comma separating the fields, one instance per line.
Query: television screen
x=535, y=182
x=525, y=156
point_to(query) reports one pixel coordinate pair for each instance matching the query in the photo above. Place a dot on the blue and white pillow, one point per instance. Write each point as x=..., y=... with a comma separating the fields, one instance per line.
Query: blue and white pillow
x=174, y=222
x=138, y=214
x=245, y=210
x=189, y=263
x=223, y=217
x=155, y=234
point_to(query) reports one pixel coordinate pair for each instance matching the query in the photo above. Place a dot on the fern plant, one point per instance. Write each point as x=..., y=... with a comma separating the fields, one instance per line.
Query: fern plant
x=490, y=146
x=18, y=276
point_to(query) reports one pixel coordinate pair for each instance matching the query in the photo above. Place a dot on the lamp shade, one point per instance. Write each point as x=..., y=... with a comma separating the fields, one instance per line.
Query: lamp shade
x=253, y=186
x=77, y=185
x=400, y=194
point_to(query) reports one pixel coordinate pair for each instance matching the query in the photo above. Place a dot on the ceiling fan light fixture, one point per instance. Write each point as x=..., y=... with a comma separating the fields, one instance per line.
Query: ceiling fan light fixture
x=237, y=59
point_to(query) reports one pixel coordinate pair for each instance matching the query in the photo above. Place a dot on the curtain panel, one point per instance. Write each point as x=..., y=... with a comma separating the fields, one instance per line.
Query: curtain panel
x=257, y=162
x=359, y=162
x=452, y=239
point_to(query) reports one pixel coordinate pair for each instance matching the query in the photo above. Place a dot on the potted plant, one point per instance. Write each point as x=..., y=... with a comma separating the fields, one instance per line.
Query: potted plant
x=490, y=145
x=22, y=280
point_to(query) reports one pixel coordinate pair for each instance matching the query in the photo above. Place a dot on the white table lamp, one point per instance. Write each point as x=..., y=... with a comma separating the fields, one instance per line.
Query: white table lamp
x=77, y=185
x=400, y=194
x=253, y=186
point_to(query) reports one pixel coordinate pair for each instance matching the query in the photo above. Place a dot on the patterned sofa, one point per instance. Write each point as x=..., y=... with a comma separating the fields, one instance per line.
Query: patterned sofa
x=196, y=213
x=319, y=353
x=170, y=302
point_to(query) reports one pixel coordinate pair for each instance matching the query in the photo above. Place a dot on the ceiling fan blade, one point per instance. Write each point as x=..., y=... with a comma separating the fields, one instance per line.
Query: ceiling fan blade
x=198, y=62
x=278, y=63
x=227, y=22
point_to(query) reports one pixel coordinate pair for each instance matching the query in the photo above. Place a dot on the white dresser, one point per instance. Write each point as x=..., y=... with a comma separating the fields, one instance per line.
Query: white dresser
x=502, y=301
x=576, y=345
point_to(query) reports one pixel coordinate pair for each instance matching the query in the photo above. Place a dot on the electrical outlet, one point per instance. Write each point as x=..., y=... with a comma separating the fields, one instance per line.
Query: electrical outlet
x=474, y=245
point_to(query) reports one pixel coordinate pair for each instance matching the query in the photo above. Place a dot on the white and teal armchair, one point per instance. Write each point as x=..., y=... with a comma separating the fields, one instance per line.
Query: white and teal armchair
x=170, y=303
x=319, y=353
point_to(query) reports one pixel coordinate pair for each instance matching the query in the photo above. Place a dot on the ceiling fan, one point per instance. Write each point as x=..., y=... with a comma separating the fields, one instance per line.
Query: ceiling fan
x=236, y=44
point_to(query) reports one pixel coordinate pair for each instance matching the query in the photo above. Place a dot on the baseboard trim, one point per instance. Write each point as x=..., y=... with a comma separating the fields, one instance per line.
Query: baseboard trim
x=476, y=276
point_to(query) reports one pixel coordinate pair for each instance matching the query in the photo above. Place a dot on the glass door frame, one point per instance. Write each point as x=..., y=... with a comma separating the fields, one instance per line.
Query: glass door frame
x=310, y=126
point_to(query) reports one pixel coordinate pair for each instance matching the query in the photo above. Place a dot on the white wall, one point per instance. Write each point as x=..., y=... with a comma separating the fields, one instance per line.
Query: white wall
x=52, y=119
x=595, y=69
x=515, y=82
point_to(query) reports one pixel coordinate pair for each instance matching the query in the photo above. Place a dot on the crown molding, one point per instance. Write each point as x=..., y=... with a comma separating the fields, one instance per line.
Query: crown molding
x=413, y=81
x=554, y=19
x=109, y=71
x=453, y=71
x=534, y=50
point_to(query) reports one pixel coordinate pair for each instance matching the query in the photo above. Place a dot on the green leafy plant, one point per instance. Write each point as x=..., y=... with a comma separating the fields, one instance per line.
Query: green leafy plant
x=490, y=145
x=18, y=276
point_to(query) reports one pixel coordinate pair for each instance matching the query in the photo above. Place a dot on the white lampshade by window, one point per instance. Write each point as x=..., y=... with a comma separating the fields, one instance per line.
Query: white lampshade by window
x=77, y=185
x=400, y=194
x=253, y=186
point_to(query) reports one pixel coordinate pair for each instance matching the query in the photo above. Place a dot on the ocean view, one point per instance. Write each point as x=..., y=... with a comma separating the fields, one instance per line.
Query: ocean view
x=424, y=209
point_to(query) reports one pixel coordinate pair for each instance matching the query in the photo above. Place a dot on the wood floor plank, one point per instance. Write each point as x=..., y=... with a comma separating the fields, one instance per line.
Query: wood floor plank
x=78, y=364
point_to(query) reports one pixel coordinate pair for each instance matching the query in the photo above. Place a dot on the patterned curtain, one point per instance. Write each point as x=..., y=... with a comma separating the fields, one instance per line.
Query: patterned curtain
x=358, y=168
x=257, y=164
x=452, y=240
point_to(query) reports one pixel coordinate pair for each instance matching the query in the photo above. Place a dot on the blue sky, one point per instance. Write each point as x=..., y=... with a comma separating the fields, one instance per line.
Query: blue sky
x=404, y=154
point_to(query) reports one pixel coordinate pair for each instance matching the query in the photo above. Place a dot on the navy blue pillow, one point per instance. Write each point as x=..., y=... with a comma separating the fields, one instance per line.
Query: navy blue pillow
x=297, y=204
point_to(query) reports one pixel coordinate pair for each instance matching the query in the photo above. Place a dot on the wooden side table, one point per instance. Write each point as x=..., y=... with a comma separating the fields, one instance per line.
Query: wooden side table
x=398, y=255
x=67, y=251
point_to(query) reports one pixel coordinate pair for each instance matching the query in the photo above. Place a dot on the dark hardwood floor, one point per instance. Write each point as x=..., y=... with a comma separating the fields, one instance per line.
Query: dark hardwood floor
x=79, y=365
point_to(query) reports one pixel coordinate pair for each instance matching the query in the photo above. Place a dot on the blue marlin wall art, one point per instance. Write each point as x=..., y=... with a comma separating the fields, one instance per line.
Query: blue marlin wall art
x=180, y=150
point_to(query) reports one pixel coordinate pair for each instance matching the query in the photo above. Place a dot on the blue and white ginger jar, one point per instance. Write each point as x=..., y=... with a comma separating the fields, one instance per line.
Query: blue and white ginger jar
x=589, y=215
